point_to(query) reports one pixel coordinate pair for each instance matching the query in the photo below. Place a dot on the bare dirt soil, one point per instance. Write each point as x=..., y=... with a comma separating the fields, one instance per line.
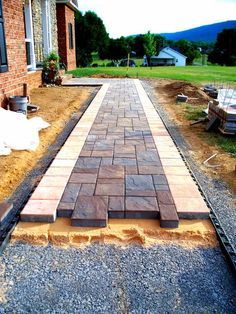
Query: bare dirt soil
x=196, y=136
x=57, y=104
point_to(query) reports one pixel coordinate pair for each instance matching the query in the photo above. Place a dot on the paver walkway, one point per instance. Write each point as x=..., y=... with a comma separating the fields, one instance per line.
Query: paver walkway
x=118, y=162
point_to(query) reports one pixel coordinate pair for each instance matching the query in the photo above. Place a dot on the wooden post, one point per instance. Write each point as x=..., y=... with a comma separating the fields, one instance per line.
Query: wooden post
x=25, y=89
x=128, y=63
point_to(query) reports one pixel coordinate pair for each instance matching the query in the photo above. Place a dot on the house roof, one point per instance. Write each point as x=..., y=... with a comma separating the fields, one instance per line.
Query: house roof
x=163, y=55
x=73, y=4
x=170, y=50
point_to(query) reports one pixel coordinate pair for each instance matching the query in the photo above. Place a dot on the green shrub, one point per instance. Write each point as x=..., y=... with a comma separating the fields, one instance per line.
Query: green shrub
x=51, y=68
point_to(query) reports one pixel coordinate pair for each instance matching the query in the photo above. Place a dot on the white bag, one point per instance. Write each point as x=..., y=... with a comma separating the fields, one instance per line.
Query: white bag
x=19, y=133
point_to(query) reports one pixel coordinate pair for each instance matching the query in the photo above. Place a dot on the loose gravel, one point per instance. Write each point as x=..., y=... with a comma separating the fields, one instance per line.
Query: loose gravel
x=216, y=191
x=109, y=279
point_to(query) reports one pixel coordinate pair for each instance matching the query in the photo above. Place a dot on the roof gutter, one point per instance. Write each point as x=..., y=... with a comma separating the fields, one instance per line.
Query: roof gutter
x=69, y=3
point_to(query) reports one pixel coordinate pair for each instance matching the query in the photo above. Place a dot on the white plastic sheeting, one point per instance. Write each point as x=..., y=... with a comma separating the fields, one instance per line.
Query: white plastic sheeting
x=19, y=133
x=227, y=97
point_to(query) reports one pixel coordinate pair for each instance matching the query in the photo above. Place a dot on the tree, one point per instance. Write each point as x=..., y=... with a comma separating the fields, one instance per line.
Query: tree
x=188, y=49
x=91, y=36
x=149, y=46
x=160, y=43
x=118, y=49
x=138, y=45
x=224, y=51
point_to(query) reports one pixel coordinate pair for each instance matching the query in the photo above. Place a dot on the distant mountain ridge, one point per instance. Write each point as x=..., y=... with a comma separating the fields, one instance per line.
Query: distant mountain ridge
x=207, y=33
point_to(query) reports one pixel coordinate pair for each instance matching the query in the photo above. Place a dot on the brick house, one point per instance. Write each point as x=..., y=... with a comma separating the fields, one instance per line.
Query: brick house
x=29, y=30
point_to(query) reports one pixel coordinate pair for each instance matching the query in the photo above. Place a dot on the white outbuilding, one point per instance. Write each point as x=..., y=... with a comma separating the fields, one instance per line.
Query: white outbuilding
x=168, y=57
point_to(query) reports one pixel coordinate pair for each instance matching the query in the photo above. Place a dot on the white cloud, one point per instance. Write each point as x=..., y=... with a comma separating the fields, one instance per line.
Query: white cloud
x=125, y=17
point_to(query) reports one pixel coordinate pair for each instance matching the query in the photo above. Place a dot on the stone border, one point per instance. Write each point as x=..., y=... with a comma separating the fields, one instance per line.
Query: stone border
x=187, y=197
x=42, y=205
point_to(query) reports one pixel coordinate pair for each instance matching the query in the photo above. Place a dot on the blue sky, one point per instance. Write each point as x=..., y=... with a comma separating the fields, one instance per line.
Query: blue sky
x=126, y=17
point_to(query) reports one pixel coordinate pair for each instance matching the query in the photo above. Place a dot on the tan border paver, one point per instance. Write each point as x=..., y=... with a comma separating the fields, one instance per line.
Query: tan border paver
x=174, y=167
x=43, y=203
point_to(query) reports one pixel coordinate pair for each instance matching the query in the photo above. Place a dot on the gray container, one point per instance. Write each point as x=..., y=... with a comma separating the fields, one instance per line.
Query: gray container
x=18, y=104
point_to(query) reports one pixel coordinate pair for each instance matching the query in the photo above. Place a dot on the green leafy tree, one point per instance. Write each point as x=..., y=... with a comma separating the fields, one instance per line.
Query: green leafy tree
x=118, y=49
x=91, y=36
x=149, y=46
x=224, y=51
x=188, y=49
x=160, y=43
x=138, y=45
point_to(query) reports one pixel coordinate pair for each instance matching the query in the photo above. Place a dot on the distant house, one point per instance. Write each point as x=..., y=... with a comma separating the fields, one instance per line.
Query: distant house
x=29, y=31
x=168, y=57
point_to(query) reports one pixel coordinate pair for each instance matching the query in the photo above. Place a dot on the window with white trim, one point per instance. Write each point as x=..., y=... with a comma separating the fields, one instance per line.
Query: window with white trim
x=29, y=39
x=3, y=51
x=71, y=37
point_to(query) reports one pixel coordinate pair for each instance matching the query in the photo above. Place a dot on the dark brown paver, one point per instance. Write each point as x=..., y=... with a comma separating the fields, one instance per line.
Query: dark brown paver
x=112, y=171
x=168, y=216
x=88, y=162
x=161, y=187
x=90, y=211
x=102, y=153
x=116, y=207
x=83, y=178
x=139, y=185
x=5, y=209
x=150, y=169
x=165, y=198
x=65, y=210
x=71, y=193
x=131, y=170
x=125, y=161
x=160, y=179
x=141, y=207
x=148, y=158
x=87, y=189
x=86, y=153
x=86, y=170
x=126, y=149
x=110, y=189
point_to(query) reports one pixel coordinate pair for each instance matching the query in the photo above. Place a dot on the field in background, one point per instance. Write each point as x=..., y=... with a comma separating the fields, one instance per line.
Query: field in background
x=194, y=74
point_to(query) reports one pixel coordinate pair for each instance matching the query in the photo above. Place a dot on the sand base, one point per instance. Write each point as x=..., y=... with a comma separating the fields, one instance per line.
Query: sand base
x=119, y=232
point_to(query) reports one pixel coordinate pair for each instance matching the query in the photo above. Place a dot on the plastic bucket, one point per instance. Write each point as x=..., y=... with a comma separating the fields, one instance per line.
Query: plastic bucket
x=18, y=104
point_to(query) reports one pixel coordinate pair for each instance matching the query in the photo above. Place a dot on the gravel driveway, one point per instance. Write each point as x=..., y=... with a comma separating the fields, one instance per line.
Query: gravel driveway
x=109, y=279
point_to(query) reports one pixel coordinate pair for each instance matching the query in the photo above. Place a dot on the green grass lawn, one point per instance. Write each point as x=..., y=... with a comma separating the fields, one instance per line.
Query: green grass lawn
x=195, y=74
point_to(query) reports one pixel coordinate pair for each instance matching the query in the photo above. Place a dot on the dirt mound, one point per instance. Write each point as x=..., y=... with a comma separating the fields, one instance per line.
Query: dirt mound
x=188, y=89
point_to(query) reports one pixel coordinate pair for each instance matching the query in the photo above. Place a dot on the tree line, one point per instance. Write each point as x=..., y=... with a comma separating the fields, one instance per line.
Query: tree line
x=91, y=36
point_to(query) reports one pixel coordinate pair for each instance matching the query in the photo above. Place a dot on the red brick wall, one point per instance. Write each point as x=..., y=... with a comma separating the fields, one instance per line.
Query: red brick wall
x=11, y=81
x=65, y=15
x=34, y=80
